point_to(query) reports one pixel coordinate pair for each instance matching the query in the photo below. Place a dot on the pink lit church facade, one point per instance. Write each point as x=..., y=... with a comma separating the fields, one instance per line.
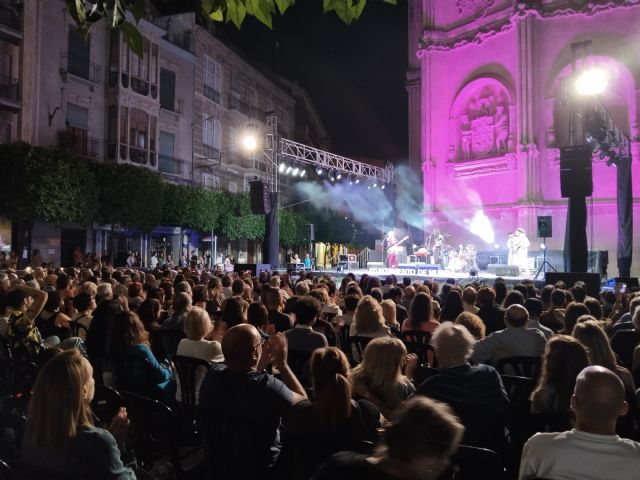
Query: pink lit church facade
x=488, y=111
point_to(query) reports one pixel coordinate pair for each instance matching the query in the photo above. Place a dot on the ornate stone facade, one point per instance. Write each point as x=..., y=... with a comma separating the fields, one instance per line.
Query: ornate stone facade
x=489, y=110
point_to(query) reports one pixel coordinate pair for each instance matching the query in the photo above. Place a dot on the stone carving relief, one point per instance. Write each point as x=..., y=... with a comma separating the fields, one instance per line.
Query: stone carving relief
x=478, y=7
x=481, y=123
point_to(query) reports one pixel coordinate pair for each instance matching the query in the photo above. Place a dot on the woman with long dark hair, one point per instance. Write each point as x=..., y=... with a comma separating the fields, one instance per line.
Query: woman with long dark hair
x=421, y=315
x=333, y=421
x=453, y=307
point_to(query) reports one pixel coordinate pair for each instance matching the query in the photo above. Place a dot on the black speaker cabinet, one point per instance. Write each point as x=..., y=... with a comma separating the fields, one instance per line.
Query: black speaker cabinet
x=545, y=227
x=503, y=270
x=255, y=268
x=576, y=179
x=259, y=195
x=311, y=232
x=591, y=279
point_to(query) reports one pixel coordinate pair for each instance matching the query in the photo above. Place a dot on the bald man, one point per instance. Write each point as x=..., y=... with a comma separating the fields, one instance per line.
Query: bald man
x=241, y=406
x=514, y=341
x=591, y=450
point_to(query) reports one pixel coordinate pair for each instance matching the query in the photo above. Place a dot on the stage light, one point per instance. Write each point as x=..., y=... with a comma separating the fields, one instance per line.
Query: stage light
x=375, y=185
x=382, y=187
x=249, y=142
x=543, y=246
x=357, y=181
x=496, y=246
x=368, y=187
x=288, y=170
x=295, y=171
x=481, y=226
x=592, y=81
x=303, y=173
x=339, y=176
x=282, y=167
x=319, y=171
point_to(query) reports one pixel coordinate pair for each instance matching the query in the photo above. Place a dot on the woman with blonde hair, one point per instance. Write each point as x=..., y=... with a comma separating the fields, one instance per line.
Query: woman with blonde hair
x=333, y=421
x=592, y=336
x=389, y=312
x=564, y=358
x=379, y=377
x=368, y=320
x=60, y=439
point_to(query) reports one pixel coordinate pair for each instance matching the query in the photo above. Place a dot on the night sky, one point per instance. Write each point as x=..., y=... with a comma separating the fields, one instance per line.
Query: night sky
x=354, y=74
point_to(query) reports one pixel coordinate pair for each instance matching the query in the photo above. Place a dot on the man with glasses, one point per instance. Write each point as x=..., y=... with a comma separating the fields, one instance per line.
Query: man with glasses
x=242, y=406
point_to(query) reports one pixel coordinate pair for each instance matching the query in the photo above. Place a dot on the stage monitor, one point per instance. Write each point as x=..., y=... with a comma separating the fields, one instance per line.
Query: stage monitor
x=500, y=270
x=591, y=279
x=255, y=268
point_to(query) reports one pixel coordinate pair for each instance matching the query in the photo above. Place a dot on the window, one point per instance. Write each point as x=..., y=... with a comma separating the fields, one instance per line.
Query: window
x=167, y=89
x=138, y=136
x=211, y=137
x=210, y=181
x=167, y=162
x=212, y=79
x=79, y=49
x=77, y=128
x=233, y=187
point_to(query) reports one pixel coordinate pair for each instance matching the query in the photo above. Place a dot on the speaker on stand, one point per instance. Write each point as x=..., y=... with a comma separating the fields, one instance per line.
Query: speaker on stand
x=545, y=230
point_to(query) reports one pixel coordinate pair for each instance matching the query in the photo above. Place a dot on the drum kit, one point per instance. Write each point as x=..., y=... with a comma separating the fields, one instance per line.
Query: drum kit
x=436, y=251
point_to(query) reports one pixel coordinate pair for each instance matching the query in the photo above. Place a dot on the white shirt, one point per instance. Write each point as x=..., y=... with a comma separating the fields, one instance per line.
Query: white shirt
x=577, y=455
x=154, y=261
x=209, y=351
x=510, y=342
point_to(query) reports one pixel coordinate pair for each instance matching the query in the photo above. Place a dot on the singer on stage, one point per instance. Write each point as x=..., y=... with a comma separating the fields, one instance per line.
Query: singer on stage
x=391, y=243
x=518, y=245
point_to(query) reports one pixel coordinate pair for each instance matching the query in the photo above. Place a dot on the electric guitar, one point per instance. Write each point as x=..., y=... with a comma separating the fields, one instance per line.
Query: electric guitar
x=396, y=248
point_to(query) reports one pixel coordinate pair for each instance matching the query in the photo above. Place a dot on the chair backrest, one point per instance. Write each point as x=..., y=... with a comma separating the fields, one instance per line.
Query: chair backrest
x=79, y=330
x=359, y=343
x=623, y=342
x=518, y=388
x=472, y=463
x=12, y=427
x=416, y=336
x=520, y=366
x=187, y=368
x=106, y=403
x=169, y=340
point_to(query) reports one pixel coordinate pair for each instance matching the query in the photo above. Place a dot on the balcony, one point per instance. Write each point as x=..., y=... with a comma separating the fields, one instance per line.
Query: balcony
x=212, y=94
x=80, y=68
x=176, y=107
x=210, y=153
x=246, y=109
x=10, y=28
x=170, y=165
x=9, y=93
x=80, y=144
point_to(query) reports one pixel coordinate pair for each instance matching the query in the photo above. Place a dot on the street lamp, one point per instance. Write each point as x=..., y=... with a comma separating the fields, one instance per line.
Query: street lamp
x=249, y=143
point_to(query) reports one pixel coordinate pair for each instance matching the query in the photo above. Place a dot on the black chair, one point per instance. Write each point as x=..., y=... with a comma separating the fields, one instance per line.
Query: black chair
x=472, y=463
x=168, y=341
x=417, y=342
x=154, y=432
x=5, y=472
x=187, y=368
x=520, y=366
x=78, y=330
x=422, y=373
x=359, y=343
x=623, y=342
x=105, y=404
x=16, y=381
x=519, y=390
x=12, y=431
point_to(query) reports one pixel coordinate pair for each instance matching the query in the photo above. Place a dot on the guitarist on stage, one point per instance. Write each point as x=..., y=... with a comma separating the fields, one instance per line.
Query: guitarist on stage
x=391, y=242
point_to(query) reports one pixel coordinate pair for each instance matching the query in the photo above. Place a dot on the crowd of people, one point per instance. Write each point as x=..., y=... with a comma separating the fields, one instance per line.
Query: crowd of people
x=307, y=378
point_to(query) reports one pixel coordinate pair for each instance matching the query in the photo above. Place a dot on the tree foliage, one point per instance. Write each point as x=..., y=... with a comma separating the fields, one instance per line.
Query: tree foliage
x=45, y=184
x=87, y=13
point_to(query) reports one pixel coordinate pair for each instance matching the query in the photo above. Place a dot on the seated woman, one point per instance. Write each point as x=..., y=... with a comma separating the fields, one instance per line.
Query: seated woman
x=564, y=358
x=85, y=304
x=421, y=316
x=198, y=327
x=475, y=393
x=418, y=444
x=135, y=368
x=368, y=322
x=51, y=322
x=333, y=421
x=60, y=439
x=389, y=312
x=379, y=377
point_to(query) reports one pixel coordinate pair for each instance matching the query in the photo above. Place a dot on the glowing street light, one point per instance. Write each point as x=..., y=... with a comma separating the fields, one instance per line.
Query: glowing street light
x=592, y=81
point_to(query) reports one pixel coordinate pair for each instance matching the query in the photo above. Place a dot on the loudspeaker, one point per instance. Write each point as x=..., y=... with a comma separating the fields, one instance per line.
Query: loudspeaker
x=576, y=179
x=255, y=268
x=311, y=232
x=259, y=195
x=503, y=270
x=545, y=227
x=591, y=279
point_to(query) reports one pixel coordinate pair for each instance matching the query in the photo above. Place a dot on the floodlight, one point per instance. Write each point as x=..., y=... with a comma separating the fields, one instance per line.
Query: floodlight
x=592, y=81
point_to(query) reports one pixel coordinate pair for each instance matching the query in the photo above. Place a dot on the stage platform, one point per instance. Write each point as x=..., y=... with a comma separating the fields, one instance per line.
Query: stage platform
x=440, y=276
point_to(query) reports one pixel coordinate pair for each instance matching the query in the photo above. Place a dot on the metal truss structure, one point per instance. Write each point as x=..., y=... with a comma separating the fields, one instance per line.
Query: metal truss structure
x=278, y=149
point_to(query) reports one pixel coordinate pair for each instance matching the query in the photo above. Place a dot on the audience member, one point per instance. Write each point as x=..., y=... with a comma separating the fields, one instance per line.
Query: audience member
x=534, y=307
x=473, y=323
x=301, y=337
x=421, y=316
x=489, y=311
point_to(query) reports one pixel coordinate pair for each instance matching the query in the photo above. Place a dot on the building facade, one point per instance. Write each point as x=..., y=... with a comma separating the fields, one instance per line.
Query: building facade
x=181, y=110
x=490, y=91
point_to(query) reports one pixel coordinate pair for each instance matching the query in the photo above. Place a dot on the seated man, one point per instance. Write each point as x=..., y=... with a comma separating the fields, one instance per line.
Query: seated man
x=591, y=450
x=242, y=406
x=514, y=341
x=302, y=337
x=554, y=317
x=274, y=302
x=491, y=314
x=475, y=392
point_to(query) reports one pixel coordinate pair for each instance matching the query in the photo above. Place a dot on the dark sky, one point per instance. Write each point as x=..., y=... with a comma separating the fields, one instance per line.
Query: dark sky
x=354, y=73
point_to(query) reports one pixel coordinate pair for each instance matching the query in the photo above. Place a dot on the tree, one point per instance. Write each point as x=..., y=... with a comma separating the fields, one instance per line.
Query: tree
x=87, y=13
